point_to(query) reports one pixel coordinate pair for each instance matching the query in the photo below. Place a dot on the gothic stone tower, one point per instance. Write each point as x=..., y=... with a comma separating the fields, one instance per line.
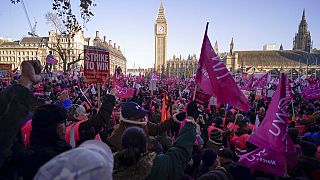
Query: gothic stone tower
x=302, y=40
x=161, y=33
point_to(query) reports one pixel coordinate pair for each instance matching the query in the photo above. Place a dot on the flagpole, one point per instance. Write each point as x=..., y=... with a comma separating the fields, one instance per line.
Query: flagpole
x=99, y=94
x=194, y=93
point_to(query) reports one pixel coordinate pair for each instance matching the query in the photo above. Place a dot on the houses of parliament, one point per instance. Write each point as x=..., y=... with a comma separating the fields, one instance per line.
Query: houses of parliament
x=301, y=60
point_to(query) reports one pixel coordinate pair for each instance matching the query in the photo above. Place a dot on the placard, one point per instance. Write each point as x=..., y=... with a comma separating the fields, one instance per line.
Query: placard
x=96, y=64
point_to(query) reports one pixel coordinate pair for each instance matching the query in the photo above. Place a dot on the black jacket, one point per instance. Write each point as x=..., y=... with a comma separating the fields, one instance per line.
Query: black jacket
x=90, y=128
x=16, y=102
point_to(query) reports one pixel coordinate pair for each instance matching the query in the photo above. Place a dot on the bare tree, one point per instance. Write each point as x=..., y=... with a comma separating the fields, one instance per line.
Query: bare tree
x=64, y=10
x=56, y=44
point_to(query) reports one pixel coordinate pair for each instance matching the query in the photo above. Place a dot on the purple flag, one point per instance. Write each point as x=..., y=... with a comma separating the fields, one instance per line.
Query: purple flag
x=214, y=78
x=272, y=132
x=265, y=160
x=261, y=82
x=312, y=91
x=51, y=60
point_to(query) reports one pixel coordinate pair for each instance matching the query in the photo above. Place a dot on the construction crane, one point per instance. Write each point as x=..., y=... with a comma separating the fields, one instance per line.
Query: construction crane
x=32, y=28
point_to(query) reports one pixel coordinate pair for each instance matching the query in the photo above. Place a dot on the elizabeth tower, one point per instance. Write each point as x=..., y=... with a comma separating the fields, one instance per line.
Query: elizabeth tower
x=161, y=33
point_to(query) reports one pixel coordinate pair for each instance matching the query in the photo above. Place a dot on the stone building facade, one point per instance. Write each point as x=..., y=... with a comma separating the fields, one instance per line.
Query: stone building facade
x=182, y=67
x=32, y=48
x=28, y=48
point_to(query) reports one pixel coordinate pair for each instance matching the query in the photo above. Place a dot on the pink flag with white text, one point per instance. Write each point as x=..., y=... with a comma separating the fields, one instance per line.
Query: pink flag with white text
x=261, y=82
x=123, y=92
x=214, y=78
x=265, y=160
x=272, y=132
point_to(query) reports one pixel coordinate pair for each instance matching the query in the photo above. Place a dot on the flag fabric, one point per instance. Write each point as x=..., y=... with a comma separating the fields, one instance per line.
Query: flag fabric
x=123, y=92
x=256, y=124
x=247, y=83
x=312, y=91
x=51, y=60
x=214, y=78
x=172, y=86
x=164, y=108
x=272, y=132
x=261, y=82
x=114, y=78
x=266, y=160
x=276, y=151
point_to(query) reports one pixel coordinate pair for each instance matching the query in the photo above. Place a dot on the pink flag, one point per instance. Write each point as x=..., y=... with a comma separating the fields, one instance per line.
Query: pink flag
x=261, y=82
x=265, y=160
x=272, y=132
x=312, y=91
x=214, y=78
x=51, y=60
x=248, y=83
x=172, y=86
x=123, y=92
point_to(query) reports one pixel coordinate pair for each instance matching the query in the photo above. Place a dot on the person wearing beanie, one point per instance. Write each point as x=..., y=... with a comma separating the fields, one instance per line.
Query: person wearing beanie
x=91, y=160
x=233, y=169
x=134, y=162
x=210, y=167
x=46, y=139
x=215, y=140
x=308, y=163
x=81, y=127
x=133, y=115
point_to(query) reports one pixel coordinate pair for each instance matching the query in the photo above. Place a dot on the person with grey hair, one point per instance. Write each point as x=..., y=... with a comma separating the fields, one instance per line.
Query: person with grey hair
x=91, y=160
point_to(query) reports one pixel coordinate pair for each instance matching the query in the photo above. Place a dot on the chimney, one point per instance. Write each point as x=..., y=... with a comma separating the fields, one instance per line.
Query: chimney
x=97, y=33
x=118, y=48
x=104, y=39
x=115, y=45
x=110, y=42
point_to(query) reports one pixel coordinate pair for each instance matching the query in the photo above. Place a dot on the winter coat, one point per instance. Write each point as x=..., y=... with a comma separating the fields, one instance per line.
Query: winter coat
x=41, y=151
x=308, y=167
x=140, y=170
x=90, y=128
x=16, y=102
x=151, y=129
x=171, y=165
x=216, y=174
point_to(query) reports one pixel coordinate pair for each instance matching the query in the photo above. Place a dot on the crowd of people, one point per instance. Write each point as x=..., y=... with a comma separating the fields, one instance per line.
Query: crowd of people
x=55, y=127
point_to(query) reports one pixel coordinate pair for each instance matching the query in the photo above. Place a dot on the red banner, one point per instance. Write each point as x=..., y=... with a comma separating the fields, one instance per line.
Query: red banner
x=202, y=98
x=96, y=64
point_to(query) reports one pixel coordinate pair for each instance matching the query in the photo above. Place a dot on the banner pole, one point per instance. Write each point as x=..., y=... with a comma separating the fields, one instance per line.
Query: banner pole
x=194, y=93
x=99, y=94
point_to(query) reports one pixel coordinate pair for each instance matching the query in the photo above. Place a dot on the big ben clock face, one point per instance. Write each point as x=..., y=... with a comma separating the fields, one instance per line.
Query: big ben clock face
x=160, y=29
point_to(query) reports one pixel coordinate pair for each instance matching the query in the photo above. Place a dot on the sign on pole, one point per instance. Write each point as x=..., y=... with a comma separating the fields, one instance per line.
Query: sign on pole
x=96, y=64
x=5, y=72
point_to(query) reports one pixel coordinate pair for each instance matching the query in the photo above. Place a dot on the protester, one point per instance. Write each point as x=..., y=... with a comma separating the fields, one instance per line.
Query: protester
x=133, y=115
x=47, y=139
x=91, y=160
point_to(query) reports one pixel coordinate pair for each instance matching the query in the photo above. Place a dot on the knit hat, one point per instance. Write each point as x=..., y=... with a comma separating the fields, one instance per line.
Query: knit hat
x=134, y=137
x=66, y=104
x=215, y=134
x=192, y=110
x=91, y=160
x=208, y=157
x=47, y=116
x=226, y=153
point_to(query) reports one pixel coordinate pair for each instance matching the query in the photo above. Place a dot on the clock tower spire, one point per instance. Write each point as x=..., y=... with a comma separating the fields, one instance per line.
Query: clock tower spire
x=161, y=33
